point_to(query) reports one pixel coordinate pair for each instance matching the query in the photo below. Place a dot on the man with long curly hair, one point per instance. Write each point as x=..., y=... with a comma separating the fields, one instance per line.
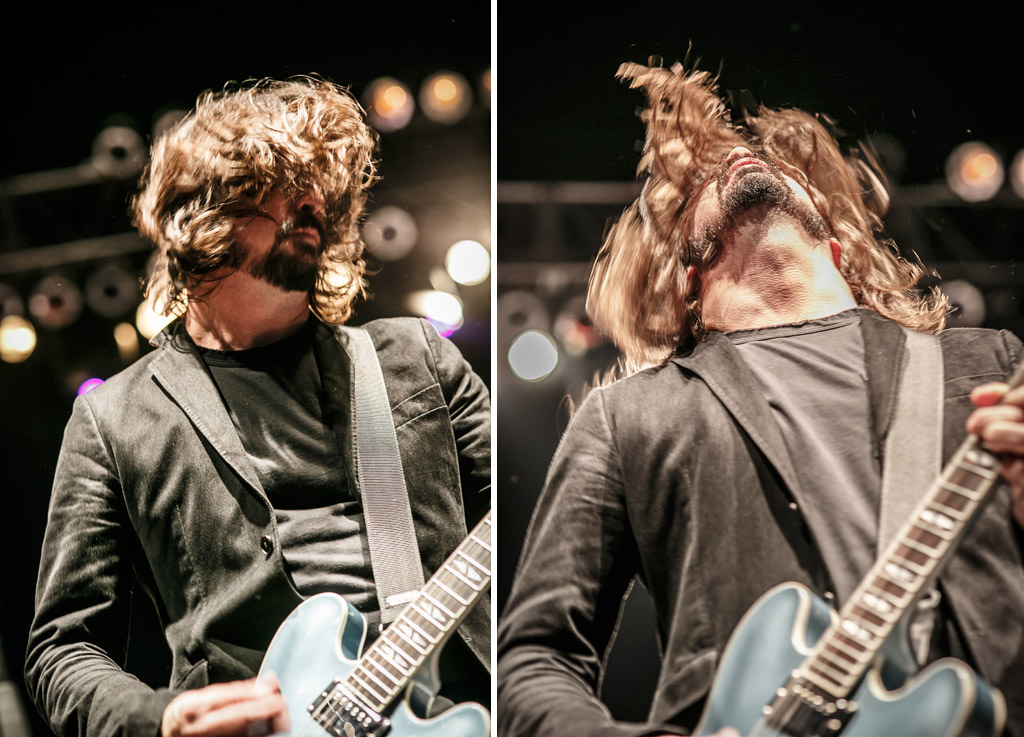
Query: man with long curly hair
x=217, y=474
x=765, y=325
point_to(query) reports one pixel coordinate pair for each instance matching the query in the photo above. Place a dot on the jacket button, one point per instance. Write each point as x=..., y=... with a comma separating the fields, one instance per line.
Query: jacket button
x=794, y=507
x=267, y=545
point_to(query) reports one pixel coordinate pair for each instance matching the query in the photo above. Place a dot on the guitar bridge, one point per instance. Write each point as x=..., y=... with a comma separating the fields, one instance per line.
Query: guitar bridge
x=801, y=710
x=343, y=715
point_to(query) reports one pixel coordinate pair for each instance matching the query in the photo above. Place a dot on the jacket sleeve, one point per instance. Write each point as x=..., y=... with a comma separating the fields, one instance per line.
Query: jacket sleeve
x=79, y=635
x=470, y=411
x=578, y=560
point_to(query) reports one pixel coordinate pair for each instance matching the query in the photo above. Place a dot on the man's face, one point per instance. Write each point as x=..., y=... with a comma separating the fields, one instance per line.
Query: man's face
x=744, y=183
x=280, y=239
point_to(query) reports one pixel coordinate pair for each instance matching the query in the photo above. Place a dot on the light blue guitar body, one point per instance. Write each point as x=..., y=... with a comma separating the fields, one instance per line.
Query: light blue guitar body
x=322, y=640
x=946, y=699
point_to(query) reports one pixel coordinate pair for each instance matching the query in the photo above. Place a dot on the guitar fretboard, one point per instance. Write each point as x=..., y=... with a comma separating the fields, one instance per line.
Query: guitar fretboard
x=848, y=647
x=385, y=668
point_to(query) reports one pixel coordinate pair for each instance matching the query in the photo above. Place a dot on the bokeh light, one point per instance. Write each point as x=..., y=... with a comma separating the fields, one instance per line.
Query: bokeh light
x=533, y=355
x=468, y=262
x=17, y=339
x=441, y=309
x=974, y=171
x=445, y=97
x=389, y=104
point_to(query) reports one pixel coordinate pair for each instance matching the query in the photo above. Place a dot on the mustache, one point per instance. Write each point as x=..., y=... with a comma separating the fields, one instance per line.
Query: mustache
x=300, y=222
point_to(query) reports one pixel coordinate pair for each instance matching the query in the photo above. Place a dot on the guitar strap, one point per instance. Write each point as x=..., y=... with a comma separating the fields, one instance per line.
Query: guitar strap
x=913, y=459
x=394, y=553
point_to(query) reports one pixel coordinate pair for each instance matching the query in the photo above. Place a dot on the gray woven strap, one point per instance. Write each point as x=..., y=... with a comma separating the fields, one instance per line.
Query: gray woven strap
x=913, y=460
x=394, y=554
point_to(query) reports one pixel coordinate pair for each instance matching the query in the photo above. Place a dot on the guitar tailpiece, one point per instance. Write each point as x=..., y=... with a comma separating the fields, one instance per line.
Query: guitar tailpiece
x=342, y=714
x=801, y=710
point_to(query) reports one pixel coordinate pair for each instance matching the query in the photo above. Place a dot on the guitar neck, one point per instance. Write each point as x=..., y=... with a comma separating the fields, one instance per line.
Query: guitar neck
x=910, y=563
x=423, y=626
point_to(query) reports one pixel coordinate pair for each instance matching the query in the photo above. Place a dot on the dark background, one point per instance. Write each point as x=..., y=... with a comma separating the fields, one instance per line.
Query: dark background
x=69, y=75
x=927, y=80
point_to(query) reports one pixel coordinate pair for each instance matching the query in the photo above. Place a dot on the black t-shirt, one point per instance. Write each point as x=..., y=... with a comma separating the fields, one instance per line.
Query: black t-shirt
x=285, y=420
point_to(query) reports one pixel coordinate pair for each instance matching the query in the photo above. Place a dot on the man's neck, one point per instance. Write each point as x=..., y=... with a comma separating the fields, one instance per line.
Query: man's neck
x=771, y=273
x=240, y=312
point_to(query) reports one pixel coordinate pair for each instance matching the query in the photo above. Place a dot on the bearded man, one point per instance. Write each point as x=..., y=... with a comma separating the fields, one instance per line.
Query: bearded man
x=218, y=474
x=765, y=326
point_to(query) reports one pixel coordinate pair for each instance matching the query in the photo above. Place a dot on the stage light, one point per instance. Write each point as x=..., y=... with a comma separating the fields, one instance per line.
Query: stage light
x=127, y=339
x=445, y=97
x=468, y=262
x=112, y=290
x=519, y=310
x=974, y=171
x=967, y=301
x=441, y=309
x=389, y=104
x=118, y=152
x=485, y=88
x=17, y=339
x=148, y=321
x=533, y=355
x=88, y=385
x=10, y=301
x=166, y=121
x=56, y=302
x=574, y=329
x=1017, y=173
x=390, y=233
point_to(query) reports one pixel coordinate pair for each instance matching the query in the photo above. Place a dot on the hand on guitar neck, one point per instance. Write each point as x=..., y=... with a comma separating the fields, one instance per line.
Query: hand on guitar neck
x=999, y=422
x=251, y=708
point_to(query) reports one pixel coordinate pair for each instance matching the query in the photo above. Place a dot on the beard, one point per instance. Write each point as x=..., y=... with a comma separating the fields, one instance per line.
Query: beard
x=291, y=264
x=755, y=188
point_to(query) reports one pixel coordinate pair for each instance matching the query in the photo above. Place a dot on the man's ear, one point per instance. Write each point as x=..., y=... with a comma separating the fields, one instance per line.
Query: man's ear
x=692, y=283
x=837, y=253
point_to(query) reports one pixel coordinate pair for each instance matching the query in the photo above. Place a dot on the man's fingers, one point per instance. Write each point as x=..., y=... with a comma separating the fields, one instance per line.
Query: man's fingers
x=249, y=708
x=254, y=717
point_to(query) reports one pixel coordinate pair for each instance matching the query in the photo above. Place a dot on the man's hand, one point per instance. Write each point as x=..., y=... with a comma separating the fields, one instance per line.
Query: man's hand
x=1001, y=427
x=252, y=708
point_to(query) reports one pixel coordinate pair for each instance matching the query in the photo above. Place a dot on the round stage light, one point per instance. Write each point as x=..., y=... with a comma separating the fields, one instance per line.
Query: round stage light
x=974, y=171
x=55, y=302
x=445, y=97
x=533, y=355
x=468, y=262
x=389, y=104
x=390, y=233
x=17, y=339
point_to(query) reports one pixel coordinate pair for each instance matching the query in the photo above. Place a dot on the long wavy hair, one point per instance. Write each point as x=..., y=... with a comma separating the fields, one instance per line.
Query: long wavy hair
x=240, y=143
x=639, y=294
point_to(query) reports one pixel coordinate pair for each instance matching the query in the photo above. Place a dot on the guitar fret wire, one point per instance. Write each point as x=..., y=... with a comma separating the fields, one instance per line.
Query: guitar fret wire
x=465, y=580
x=388, y=656
x=372, y=674
x=428, y=616
x=477, y=564
x=481, y=543
x=825, y=669
x=912, y=566
x=919, y=545
x=971, y=494
x=952, y=511
x=411, y=642
x=933, y=529
x=439, y=605
x=464, y=602
x=367, y=688
x=411, y=623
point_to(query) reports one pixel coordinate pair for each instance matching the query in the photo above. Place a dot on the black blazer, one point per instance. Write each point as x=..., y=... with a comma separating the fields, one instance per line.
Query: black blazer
x=678, y=476
x=154, y=488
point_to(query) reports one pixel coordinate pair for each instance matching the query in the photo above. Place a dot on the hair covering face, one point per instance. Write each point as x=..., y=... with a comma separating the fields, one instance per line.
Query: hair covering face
x=639, y=293
x=238, y=145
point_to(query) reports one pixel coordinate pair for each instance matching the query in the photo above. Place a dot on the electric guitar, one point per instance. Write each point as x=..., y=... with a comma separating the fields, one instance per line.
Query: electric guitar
x=795, y=667
x=332, y=690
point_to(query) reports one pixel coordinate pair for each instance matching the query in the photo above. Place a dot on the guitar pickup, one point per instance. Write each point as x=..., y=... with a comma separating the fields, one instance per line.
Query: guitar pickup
x=343, y=715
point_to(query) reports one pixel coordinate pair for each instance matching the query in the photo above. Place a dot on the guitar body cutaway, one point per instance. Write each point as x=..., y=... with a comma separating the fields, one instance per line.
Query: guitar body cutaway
x=946, y=699
x=322, y=640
